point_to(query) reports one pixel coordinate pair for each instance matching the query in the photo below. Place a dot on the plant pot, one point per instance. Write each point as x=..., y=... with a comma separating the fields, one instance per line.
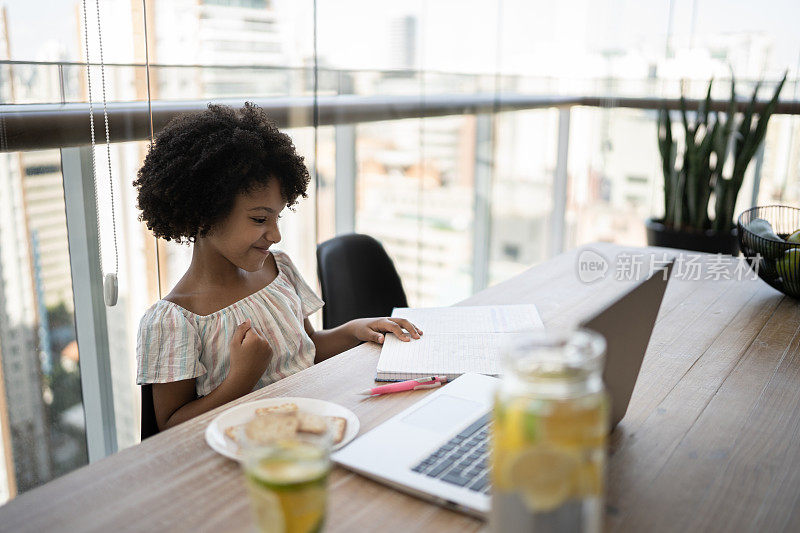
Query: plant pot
x=707, y=241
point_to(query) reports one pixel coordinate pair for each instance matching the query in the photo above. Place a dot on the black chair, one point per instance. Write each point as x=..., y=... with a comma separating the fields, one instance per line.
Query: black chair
x=149, y=423
x=358, y=280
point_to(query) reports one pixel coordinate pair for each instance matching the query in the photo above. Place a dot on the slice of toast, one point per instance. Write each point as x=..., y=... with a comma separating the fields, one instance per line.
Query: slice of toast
x=270, y=427
x=338, y=426
x=311, y=423
x=287, y=408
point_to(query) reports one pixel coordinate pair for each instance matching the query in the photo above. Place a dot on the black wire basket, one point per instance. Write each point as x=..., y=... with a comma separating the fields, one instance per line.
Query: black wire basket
x=775, y=261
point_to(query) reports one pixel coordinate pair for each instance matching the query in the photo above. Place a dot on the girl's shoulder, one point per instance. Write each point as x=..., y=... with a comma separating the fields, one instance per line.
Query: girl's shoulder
x=280, y=256
x=163, y=313
x=284, y=262
x=164, y=330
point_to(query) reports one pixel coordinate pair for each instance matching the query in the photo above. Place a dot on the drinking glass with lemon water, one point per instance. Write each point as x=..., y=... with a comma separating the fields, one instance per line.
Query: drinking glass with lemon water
x=550, y=422
x=287, y=482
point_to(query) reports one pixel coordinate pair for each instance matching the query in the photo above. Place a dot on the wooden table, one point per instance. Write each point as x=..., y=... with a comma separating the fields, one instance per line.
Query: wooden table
x=711, y=440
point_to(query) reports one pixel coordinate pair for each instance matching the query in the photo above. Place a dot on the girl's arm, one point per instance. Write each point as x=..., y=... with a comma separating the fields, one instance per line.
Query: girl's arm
x=177, y=401
x=330, y=342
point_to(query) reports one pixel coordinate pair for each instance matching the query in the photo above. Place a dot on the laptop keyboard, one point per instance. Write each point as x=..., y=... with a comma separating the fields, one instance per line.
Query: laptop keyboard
x=463, y=460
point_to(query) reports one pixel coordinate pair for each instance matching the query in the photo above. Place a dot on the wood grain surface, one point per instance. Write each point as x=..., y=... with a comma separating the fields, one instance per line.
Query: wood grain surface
x=709, y=442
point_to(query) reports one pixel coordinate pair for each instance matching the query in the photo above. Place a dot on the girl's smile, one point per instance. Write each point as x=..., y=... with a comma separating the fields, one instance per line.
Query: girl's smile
x=245, y=236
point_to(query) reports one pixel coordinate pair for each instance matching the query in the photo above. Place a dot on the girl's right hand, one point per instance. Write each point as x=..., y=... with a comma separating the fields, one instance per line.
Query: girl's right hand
x=250, y=353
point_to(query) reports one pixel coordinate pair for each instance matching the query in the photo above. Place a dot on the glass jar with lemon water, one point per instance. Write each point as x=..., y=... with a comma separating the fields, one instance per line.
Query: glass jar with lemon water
x=287, y=482
x=549, y=430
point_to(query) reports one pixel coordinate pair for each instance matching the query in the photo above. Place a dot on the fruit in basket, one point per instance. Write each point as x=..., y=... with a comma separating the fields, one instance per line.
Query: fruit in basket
x=788, y=268
x=762, y=228
x=794, y=237
x=763, y=246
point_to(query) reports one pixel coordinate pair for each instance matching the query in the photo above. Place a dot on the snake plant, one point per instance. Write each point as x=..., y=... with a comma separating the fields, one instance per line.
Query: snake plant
x=708, y=141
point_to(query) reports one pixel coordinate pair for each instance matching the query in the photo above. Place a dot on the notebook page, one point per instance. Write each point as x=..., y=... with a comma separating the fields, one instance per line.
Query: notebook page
x=442, y=353
x=476, y=319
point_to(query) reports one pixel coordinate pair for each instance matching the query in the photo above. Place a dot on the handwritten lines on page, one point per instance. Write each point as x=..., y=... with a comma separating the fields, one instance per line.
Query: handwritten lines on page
x=455, y=340
x=443, y=353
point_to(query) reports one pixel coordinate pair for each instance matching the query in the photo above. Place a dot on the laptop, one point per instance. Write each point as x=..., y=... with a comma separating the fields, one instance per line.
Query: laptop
x=437, y=449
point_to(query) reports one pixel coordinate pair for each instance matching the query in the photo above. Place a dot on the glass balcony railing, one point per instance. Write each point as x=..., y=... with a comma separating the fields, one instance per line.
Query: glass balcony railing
x=467, y=180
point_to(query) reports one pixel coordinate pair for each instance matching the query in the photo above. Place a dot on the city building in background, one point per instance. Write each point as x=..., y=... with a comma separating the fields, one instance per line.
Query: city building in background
x=25, y=416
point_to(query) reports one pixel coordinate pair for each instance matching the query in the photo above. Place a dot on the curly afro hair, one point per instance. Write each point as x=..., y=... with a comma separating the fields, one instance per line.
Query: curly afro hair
x=200, y=162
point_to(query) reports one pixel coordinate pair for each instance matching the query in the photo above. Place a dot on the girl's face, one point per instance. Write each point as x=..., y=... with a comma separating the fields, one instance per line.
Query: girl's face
x=245, y=235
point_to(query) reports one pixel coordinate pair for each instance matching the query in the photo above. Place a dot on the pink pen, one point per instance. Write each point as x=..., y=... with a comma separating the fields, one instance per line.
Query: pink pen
x=412, y=384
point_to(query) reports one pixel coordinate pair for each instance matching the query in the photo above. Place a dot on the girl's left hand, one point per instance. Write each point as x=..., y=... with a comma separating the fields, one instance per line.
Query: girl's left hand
x=373, y=329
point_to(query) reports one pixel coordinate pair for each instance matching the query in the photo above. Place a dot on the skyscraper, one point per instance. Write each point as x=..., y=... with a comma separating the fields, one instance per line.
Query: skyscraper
x=403, y=43
x=44, y=208
x=24, y=435
x=18, y=339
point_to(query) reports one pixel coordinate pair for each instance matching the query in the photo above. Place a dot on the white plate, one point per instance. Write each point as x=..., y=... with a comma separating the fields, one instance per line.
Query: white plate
x=215, y=436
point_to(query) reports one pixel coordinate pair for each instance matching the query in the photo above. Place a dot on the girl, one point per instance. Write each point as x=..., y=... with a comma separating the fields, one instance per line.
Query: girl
x=238, y=318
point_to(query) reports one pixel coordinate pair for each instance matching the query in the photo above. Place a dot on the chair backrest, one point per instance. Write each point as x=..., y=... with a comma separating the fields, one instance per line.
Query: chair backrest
x=149, y=423
x=358, y=279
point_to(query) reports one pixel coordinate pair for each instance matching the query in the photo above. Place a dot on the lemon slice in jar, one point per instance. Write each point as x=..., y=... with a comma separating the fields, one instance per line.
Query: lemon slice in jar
x=543, y=477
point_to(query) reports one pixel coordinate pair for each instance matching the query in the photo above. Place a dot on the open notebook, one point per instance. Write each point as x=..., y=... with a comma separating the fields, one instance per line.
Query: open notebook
x=455, y=340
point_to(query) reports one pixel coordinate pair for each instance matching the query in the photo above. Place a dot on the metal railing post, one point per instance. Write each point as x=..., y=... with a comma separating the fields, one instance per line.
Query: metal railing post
x=90, y=311
x=757, y=174
x=345, y=182
x=557, y=220
x=62, y=90
x=482, y=216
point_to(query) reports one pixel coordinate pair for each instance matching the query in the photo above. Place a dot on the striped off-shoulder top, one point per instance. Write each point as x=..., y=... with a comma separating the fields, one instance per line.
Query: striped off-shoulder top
x=174, y=343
